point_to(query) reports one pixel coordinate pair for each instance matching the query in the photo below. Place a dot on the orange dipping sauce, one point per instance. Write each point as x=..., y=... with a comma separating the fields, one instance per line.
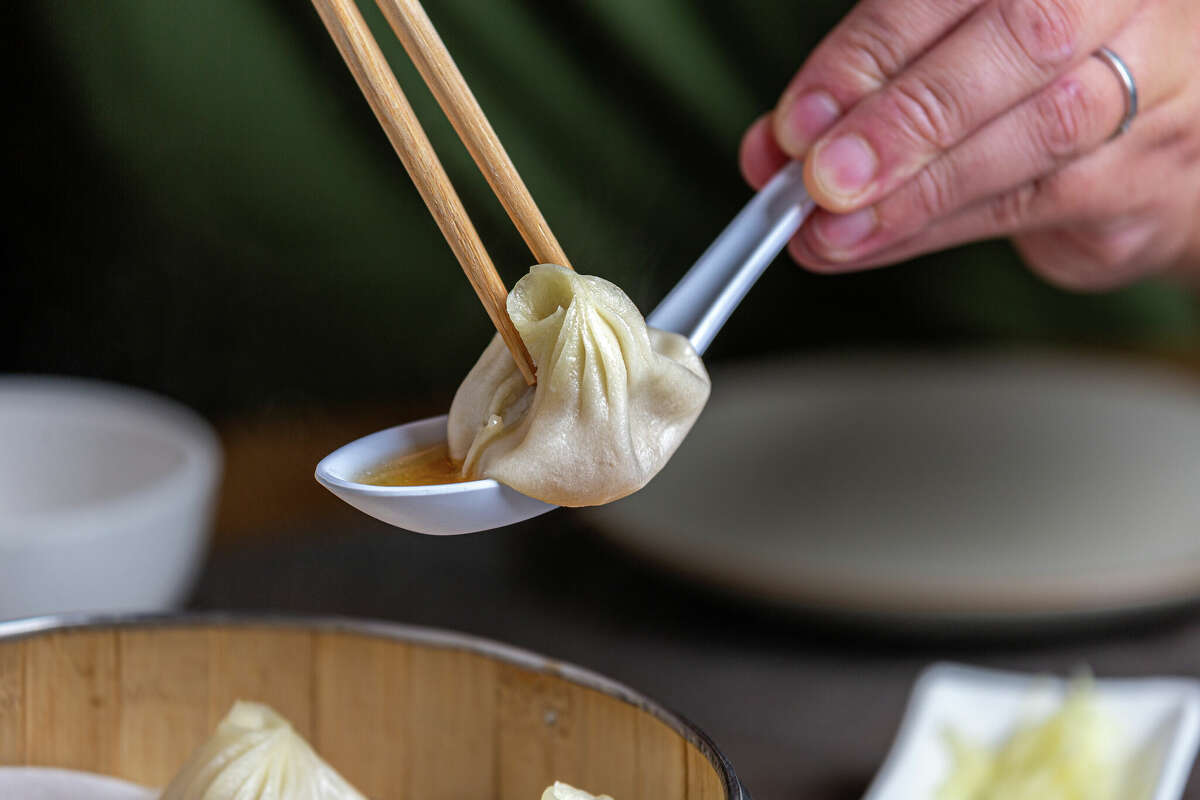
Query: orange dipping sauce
x=427, y=467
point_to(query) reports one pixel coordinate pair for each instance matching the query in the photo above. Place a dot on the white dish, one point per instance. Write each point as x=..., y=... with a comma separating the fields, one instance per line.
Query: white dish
x=972, y=487
x=1158, y=720
x=45, y=783
x=106, y=497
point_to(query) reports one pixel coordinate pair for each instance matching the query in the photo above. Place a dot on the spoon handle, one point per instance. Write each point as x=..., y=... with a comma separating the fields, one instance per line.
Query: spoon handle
x=705, y=297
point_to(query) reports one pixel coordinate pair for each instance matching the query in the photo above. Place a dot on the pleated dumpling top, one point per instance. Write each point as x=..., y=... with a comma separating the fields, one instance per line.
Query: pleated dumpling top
x=613, y=400
x=255, y=754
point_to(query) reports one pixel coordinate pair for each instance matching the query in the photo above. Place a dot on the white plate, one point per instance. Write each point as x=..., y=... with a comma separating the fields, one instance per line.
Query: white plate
x=1158, y=720
x=43, y=783
x=970, y=487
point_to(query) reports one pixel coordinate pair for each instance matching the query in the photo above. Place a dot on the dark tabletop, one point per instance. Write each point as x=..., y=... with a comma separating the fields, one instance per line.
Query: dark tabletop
x=804, y=707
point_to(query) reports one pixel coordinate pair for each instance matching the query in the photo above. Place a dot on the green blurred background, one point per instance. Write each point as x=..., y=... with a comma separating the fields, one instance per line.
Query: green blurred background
x=201, y=202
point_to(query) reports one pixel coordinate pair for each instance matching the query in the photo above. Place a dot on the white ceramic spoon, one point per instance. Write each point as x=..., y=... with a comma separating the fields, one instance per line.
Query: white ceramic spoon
x=697, y=308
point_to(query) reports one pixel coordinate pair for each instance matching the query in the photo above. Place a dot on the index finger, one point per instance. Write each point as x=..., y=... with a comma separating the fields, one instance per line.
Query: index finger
x=1004, y=53
x=869, y=47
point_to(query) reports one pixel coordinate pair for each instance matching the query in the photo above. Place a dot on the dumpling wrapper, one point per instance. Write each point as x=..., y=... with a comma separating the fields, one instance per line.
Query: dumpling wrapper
x=256, y=755
x=563, y=791
x=613, y=401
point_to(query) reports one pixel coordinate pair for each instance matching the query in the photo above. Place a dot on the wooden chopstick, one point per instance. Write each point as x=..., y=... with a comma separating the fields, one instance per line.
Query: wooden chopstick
x=427, y=51
x=382, y=91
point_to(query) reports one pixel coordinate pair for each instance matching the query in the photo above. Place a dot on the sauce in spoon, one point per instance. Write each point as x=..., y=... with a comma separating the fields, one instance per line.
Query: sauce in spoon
x=427, y=467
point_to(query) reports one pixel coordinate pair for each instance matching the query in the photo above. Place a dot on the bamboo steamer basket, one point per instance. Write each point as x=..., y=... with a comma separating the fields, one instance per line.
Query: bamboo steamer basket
x=401, y=712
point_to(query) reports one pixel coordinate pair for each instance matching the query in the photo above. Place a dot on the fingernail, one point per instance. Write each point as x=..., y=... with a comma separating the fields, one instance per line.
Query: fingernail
x=803, y=119
x=844, y=231
x=845, y=166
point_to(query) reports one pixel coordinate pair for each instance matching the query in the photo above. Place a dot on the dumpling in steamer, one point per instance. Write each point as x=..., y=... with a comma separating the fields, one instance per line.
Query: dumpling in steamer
x=564, y=791
x=256, y=755
x=613, y=400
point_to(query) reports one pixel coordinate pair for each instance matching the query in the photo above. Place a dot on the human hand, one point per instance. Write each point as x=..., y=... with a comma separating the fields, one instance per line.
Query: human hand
x=931, y=123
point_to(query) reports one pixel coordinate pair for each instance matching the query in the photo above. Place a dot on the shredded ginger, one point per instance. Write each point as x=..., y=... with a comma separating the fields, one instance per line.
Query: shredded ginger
x=1068, y=756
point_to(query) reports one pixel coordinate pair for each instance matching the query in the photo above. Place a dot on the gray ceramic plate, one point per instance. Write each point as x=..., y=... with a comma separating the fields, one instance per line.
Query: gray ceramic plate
x=999, y=487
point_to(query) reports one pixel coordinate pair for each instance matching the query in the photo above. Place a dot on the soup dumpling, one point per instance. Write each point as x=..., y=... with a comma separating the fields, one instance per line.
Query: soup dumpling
x=562, y=791
x=255, y=754
x=613, y=401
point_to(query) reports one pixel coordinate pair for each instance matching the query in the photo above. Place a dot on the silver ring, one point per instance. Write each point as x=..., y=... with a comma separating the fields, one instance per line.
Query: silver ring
x=1118, y=65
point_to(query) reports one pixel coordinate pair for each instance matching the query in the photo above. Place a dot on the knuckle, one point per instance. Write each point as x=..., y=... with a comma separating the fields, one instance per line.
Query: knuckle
x=1011, y=210
x=928, y=111
x=932, y=193
x=871, y=47
x=1091, y=265
x=1046, y=31
x=1080, y=191
x=1113, y=246
x=1064, y=114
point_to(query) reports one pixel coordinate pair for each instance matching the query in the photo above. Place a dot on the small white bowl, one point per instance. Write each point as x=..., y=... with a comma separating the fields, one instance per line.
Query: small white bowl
x=106, y=497
x=1158, y=720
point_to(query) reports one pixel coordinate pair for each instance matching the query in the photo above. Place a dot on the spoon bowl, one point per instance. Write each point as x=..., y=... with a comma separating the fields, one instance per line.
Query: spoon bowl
x=441, y=509
x=696, y=307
